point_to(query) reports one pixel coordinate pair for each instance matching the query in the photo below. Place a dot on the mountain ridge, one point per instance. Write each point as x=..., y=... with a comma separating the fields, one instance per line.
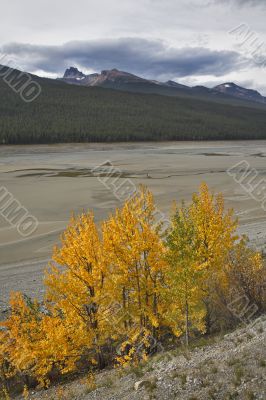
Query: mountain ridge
x=121, y=80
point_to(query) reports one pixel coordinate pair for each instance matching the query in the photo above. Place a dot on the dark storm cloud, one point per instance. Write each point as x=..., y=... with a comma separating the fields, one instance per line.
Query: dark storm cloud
x=151, y=58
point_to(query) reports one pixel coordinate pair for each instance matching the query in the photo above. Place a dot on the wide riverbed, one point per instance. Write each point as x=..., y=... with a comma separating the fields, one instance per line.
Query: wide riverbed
x=53, y=181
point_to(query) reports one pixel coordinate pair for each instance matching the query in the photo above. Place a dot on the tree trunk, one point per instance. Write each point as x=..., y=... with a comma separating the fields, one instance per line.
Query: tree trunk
x=100, y=357
x=187, y=328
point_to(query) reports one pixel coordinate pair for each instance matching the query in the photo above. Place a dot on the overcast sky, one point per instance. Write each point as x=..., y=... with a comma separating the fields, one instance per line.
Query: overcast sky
x=191, y=41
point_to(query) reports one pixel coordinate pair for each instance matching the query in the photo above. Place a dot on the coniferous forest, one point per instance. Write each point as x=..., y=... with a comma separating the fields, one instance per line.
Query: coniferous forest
x=66, y=113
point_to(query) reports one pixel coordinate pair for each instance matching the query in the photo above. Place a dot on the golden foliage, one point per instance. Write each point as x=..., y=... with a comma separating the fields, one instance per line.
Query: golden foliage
x=113, y=290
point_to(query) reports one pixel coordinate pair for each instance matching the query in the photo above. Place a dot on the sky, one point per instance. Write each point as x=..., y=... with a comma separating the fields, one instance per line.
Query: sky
x=194, y=42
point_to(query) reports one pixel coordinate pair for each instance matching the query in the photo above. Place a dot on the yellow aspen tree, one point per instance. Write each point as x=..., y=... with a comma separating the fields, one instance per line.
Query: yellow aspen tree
x=23, y=334
x=184, y=278
x=35, y=343
x=6, y=369
x=215, y=229
x=135, y=249
x=202, y=236
x=75, y=284
x=247, y=275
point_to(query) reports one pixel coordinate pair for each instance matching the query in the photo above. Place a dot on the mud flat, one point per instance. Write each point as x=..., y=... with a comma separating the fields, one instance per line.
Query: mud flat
x=53, y=181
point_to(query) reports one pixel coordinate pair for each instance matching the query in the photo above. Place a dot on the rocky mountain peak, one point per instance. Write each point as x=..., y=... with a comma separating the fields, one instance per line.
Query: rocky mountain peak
x=73, y=73
x=230, y=88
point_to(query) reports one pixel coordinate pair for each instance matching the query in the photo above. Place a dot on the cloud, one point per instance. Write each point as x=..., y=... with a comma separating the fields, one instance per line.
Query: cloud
x=150, y=58
x=252, y=2
x=242, y=2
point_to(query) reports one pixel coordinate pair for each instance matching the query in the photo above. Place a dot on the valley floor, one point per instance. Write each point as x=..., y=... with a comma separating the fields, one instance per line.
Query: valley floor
x=52, y=181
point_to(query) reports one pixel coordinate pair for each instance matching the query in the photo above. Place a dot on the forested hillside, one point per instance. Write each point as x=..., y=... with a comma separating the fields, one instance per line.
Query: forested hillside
x=66, y=113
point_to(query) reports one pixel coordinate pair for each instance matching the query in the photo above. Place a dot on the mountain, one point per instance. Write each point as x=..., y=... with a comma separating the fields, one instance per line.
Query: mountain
x=74, y=74
x=239, y=92
x=105, y=78
x=120, y=80
x=175, y=85
x=74, y=113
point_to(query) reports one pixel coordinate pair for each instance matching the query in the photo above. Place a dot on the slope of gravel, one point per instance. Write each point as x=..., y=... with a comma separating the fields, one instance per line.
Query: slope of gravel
x=232, y=367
